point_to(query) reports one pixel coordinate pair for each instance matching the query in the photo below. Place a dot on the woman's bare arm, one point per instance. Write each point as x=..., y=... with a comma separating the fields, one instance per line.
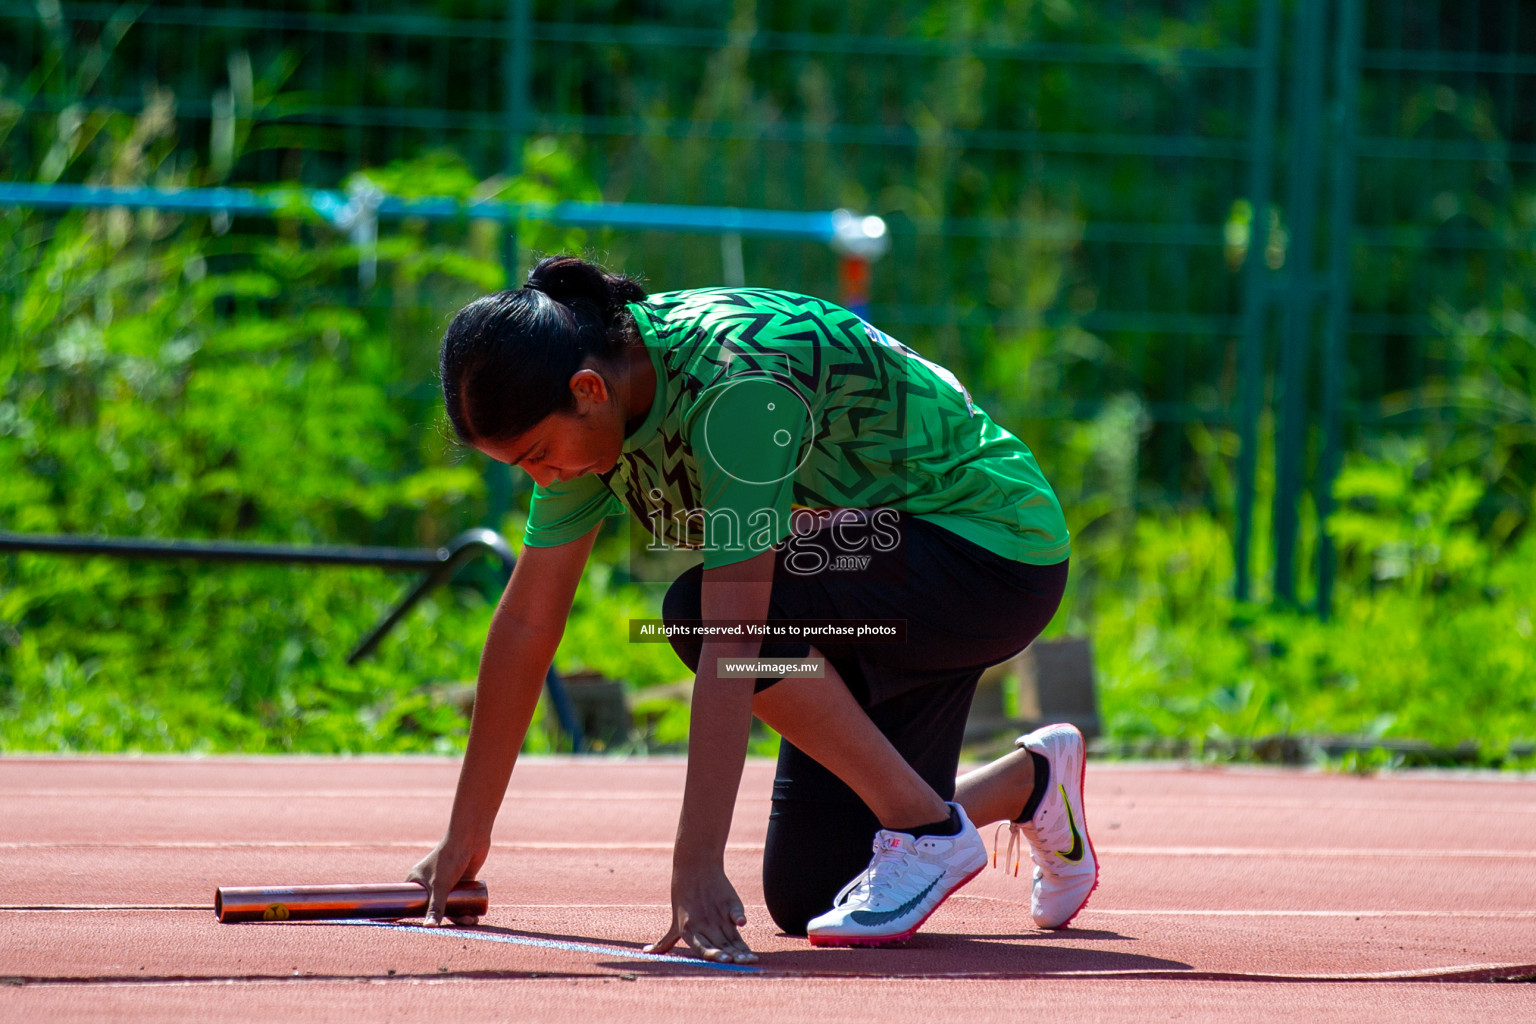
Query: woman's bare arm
x=706, y=912
x=525, y=630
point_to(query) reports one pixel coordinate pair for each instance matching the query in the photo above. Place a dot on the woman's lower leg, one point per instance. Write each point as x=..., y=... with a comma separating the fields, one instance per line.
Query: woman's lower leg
x=821, y=717
x=997, y=791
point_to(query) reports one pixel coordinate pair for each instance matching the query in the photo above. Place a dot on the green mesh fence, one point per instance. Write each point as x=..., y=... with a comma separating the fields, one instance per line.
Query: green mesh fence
x=1248, y=236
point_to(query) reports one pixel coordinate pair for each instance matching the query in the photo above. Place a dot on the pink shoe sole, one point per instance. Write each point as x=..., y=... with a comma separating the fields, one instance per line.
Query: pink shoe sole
x=1082, y=779
x=877, y=941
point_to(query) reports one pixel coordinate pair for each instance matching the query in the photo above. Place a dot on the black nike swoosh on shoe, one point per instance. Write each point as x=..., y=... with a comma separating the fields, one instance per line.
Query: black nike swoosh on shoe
x=871, y=918
x=1076, y=853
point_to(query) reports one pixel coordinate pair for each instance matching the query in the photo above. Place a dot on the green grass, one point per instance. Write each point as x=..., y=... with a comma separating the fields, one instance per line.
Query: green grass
x=158, y=380
x=167, y=658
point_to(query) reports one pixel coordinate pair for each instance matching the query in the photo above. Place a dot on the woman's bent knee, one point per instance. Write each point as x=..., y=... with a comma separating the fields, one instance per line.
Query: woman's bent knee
x=813, y=850
x=683, y=603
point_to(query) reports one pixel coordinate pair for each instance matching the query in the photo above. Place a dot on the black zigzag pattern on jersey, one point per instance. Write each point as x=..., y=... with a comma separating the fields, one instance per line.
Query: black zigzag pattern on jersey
x=861, y=393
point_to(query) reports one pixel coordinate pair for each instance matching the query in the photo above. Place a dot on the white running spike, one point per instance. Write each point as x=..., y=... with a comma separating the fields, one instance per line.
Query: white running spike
x=1066, y=867
x=905, y=882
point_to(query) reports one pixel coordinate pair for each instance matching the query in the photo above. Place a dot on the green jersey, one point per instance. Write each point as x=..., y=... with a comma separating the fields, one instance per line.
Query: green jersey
x=767, y=401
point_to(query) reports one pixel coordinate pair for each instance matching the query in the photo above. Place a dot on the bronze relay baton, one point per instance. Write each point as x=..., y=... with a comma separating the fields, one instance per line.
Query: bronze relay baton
x=372, y=901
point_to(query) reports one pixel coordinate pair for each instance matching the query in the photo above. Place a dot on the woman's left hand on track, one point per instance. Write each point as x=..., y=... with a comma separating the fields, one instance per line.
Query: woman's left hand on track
x=706, y=913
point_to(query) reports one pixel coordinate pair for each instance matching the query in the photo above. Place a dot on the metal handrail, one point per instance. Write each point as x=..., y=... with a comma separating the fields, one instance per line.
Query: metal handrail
x=440, y=566
x=815, y=225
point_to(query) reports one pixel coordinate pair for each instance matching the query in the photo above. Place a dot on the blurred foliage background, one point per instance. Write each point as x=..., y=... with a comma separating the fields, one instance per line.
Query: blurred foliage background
x=1070, y=199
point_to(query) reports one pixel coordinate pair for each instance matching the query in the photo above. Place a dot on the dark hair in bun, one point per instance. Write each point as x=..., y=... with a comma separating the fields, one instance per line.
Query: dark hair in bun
x=507, y=359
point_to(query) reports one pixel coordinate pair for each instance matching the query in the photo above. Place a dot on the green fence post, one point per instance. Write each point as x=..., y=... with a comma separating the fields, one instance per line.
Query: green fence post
x=499, y=485
x=1296, y=343
x=517, y=72
x=1256, y=286
x=1336, y=336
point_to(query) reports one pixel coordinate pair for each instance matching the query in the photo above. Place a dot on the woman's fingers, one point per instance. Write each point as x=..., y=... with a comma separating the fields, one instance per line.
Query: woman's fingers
x=423, y=874
x=737, y=947
x=666, y=942
x=441, y=871
x=707, y=948
x=708, y=944
x=729, y=941
x=710, y=953
x=720, y=941
x=736, y=917
x=437, y=906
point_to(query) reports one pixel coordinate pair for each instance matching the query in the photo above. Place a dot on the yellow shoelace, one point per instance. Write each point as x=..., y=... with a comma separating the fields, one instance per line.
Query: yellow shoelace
x=1015, y=846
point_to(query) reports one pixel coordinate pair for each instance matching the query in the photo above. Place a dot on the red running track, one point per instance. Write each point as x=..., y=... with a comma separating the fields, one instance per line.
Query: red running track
x=1224, y=892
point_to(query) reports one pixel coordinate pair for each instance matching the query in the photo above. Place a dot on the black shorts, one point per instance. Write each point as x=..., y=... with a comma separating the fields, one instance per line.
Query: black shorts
x=965, y=609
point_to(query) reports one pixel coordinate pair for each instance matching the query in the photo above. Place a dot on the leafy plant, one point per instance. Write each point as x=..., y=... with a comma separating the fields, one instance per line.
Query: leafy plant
x=158, y=378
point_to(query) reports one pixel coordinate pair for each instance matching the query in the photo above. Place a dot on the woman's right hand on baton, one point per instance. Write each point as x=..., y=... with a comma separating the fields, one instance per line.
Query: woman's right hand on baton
x=525, y=630
x=451, y=862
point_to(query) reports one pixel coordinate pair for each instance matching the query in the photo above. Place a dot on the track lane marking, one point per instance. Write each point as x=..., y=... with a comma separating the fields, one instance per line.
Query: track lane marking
x=1470, y=915
x=1116, y=803
x=1112, y=851
x=1289, y=851
x=347, y=844
x=1127, y=802
x=1473, y=974
x=92, y=908
x=1119, y=802
x=566, y=945
x=342, y=794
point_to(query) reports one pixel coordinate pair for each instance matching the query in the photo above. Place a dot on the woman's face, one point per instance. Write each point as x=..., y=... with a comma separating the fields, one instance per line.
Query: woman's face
x=565, y=445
